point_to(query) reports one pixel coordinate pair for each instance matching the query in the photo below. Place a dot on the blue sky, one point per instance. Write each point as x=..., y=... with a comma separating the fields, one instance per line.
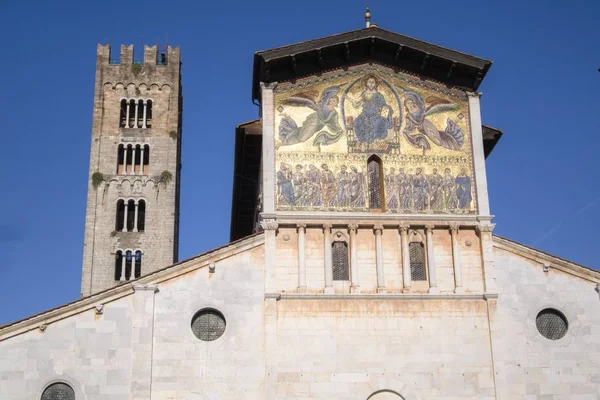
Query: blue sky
x=541, y=90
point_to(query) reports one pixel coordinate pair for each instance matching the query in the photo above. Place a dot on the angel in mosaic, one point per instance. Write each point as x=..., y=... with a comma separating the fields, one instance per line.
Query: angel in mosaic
x=419, y=130
x=357, y=188
x=325, y=115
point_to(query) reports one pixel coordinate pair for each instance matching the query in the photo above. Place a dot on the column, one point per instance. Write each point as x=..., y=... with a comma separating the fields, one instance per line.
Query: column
x=144, y=119
x=135, y=217
x=132, y=172
x=355, y=286
x=142, y=158
x=379, y=259
x=458, y=286
x=123, y=265
x=301, y=258
x=270, y=228
x=430, y=259
x=487, y=257
x=406, y=275
x=127, y=115
x=328, y=260
x=125, y=216
x=125, y=148
x=136, y=114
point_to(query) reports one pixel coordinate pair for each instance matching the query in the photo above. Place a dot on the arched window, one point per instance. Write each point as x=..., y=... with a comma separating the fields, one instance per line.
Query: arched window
x=140, y=114
x=123, y=114
x=138, y=264
x=120, y=215
x=418, y=269
x=375, y=183
x=385, y=395
x=132, y=108
x=128, y=264
x=148, y=113
x=58, y=391
x=146, y=160
x=130, y=215
x=141, y=217
x=339, y=255
x=118, y=265
x=120, y=159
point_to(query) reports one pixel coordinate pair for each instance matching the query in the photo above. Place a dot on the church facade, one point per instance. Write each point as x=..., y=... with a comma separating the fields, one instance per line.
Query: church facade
x=362, y=261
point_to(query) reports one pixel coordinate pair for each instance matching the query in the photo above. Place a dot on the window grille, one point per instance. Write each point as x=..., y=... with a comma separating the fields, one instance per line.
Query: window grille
x=208, y=325
x=552, y=324
x=339, y=255
x=417, y=261
x=58, y=391
x=373, y=171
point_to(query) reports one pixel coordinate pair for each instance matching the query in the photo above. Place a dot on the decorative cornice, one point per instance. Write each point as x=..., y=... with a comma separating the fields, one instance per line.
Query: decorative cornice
x=391, y=296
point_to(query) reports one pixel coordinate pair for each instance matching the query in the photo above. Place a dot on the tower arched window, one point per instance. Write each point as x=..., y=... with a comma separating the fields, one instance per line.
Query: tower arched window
x=128, y=265
x=133, y=159
x=375, y=183
x=135, y=113
x=141, y=215
x=120, y=217
x=130, y=215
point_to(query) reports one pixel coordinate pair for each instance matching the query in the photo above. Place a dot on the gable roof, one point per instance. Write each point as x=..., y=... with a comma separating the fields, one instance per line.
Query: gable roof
x=127, y=288
x=368, y=44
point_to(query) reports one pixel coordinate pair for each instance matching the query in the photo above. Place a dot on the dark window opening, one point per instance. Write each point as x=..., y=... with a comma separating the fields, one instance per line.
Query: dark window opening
x=138, y=264
x=140, y=114
x=123, y=115
x=148, y=113
x=146, y=159
x=132, y=113
x=118, y=265
x=141, y=215
x=374, y=181
x=120, y=215
x=130, y=215
x=339, y=255
x=128, y=264
x=417, y=261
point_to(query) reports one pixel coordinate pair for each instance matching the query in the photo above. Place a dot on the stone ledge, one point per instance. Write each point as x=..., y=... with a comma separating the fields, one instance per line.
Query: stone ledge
x=395, y=296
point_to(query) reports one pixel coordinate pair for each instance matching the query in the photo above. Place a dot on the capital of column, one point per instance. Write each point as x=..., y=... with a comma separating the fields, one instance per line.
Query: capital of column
x=485, y=227
x=352, y=227
x=474, y=94
x=268, y=85
x=327, y=227
x=404, y=227
x=378, y=229
x=453, y=226
x=301, y=227
x=269, y=225
x=429, y=227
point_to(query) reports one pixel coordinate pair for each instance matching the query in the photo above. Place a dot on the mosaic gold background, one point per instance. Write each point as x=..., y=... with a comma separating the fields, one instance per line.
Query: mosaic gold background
x=327, y=127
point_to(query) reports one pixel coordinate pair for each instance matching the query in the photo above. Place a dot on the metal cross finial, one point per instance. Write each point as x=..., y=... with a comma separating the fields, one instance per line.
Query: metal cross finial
x=368, y=15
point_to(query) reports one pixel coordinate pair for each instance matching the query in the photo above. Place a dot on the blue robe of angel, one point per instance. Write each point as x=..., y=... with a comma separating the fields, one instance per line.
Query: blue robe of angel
x=463, y=191
x=286, y=189
x=370, y=125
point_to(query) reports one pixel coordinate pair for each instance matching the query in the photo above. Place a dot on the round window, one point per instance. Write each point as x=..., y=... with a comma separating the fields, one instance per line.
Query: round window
x=208, y=324
x=58, y=391
x=552, y=324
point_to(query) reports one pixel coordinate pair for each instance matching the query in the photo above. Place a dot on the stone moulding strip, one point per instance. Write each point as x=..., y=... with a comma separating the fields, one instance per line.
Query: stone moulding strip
x=407, y=296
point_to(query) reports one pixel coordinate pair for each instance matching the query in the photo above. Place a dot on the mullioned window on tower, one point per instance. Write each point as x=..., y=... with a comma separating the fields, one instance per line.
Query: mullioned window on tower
x=128, y=265
x=131, y=215
x=136, y=113
x=133, y=159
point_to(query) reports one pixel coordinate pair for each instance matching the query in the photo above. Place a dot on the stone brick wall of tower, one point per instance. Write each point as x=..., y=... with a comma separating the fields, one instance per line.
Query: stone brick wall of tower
x=158, y=242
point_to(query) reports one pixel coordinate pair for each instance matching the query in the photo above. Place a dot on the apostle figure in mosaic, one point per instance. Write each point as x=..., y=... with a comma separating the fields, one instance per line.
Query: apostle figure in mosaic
x=419, y=130
x=328, y=189
x=449, y=199
x=391, y=190
x=404, y=190
x=313, y=186
x=299, y=182
x=420, y=190
x=357, y=189
x=376, y=116
x=463, y=189
x=435, y=191
x=325, y=115
x=285, y=188
x=343, y=198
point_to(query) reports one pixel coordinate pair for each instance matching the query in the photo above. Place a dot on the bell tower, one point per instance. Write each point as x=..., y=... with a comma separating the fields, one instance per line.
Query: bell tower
x=132, y=218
